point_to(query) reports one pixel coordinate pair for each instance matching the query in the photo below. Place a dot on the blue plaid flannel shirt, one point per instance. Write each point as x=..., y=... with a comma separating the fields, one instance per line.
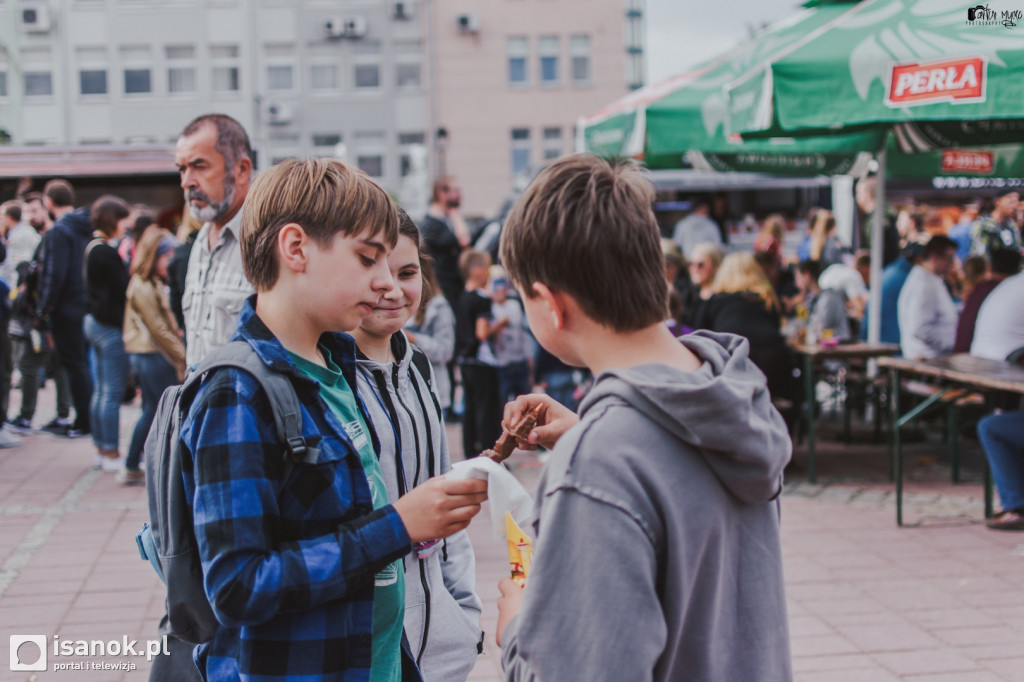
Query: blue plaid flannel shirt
x=288, y=565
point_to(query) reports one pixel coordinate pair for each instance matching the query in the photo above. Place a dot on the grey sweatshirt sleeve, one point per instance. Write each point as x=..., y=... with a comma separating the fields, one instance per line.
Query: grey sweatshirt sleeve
x=459, y=569
x=437, y=340
x=591, y=610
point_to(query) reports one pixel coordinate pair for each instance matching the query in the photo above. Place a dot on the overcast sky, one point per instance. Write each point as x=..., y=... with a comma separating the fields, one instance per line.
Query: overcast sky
x=681, y=33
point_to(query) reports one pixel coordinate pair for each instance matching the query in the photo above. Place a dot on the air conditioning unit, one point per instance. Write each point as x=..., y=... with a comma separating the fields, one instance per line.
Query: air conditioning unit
x=468, y=22
x=402, y=11
x=352, y=27
x=278, y=114
x=34, y=17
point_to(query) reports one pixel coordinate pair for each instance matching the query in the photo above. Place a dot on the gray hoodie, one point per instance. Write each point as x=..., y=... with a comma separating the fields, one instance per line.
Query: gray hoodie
x=442, y=611
x=658, y=553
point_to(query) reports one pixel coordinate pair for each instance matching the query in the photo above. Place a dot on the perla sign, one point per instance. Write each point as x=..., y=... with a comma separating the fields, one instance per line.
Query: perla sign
x=950, y=80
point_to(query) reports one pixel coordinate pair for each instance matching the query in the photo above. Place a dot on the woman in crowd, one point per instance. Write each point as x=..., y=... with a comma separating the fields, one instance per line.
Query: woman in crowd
x=703, y=267
x=151, y=337
x=432, y=330
x=442, y=611
x=106, y=280
x=744, y=303
x=770, y=239
x=825, y=246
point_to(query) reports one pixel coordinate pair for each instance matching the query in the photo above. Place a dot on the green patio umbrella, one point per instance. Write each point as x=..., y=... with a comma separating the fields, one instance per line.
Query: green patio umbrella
x=951, y=75
x=681, y=121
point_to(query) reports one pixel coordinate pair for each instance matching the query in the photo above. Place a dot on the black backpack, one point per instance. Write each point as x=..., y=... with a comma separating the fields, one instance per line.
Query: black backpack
x=168, y=541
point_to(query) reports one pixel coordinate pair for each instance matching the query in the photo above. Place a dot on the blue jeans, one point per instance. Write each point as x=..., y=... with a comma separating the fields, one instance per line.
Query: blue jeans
x=513, y=381
x=561, y=386
x=155, y=374
x=107, y=365
x=1002, y=435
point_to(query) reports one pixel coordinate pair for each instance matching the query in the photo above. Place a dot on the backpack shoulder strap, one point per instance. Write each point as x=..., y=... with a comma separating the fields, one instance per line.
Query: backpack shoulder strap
x=283, y=400
x=422, y=365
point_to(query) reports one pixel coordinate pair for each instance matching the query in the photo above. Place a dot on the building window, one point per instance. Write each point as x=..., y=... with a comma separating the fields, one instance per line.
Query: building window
x=224, y=59
x=181, y=68
x=371, y=164
x=279, y=78
x=326, y=140
x=3, y=83
x=136, y=62
x=405, y=141
x=92, y=70
x=517, y=48
x=38, y=84
x=579, y=49
x=552, y=143
x=635, y=70
x=548, y=47
x=520, y=148
x=407, y=75
x=367, y=75
x=92, y=81
x=323, y=77
x=280, y=67
x=137, y=81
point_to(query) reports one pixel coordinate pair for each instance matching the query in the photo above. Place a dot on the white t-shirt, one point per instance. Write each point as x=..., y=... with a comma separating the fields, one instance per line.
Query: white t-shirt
x=845, y=279
x=927, y=315
x=999, y=329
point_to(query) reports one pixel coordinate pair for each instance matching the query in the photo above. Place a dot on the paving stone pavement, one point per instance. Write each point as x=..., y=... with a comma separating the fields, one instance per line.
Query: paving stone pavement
x=866, y=600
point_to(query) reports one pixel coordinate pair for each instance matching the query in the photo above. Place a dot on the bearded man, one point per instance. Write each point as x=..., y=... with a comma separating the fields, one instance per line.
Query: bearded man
x=214, y=159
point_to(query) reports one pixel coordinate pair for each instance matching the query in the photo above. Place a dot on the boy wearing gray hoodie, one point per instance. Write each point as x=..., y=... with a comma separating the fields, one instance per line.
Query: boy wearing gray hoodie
x=657, y=520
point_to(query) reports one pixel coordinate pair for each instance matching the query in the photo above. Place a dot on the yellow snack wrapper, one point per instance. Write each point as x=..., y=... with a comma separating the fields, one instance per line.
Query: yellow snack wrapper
x=520, y=550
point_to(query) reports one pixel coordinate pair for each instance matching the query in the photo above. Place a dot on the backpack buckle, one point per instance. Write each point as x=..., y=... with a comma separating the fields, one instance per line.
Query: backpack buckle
x=297, y=447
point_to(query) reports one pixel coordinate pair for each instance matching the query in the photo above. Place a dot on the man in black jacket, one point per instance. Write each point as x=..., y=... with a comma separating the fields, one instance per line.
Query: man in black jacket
x=62, y=295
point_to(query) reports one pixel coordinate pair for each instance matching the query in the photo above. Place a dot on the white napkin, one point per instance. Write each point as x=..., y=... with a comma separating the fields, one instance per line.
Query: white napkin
x=504, y=492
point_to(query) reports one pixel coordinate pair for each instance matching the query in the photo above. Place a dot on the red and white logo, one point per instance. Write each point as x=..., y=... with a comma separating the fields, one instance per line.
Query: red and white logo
x=963, y=161
x=950, y=80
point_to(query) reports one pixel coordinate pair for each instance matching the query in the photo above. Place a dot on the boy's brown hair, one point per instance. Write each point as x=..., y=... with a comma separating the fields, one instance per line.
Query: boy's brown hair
x=324, y=196
x=471, y=259
x=586, y=227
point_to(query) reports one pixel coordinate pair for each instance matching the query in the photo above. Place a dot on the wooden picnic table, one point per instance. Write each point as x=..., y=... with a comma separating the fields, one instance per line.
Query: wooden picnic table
x=813, y=354
x=951, y=373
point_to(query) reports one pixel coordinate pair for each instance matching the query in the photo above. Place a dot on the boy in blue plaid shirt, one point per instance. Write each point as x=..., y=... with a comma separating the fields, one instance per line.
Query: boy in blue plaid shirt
x=304, y=573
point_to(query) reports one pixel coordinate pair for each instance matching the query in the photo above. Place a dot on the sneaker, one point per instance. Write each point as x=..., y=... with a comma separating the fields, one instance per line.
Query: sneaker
x=131, y=477
x=20, y=425
x=111, y=465
x=57, y=427
x=75, y=432
x=8, y=439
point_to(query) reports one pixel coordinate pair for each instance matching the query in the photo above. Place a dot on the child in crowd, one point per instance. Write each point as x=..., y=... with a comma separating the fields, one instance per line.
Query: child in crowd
x=658, y=554
x=442, y=611
x=481, y=422
x=432, y=329
x=303, y=572
x=509, y=346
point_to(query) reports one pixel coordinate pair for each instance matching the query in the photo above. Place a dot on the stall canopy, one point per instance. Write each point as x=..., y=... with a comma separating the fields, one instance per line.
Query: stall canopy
x=949, y=75
x=680, y=122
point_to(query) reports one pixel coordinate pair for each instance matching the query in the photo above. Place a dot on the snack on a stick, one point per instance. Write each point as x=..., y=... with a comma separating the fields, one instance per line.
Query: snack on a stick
x=505, y=444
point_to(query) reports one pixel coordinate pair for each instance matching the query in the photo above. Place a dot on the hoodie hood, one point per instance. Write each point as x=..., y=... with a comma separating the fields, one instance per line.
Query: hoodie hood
x=400, y=348
x=78, y=223
x=723, y=411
